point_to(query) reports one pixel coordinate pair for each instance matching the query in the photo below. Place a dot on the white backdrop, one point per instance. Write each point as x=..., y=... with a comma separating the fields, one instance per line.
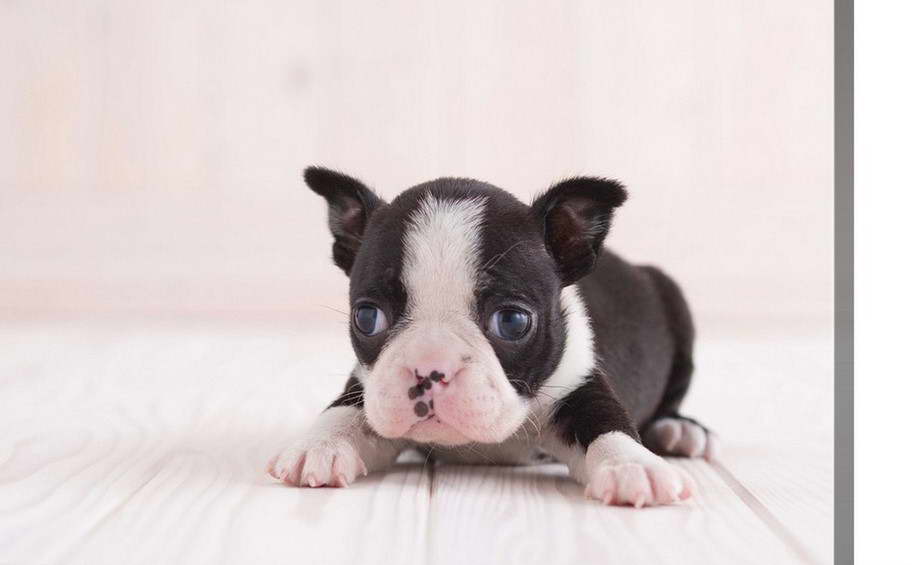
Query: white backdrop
x=151, y=152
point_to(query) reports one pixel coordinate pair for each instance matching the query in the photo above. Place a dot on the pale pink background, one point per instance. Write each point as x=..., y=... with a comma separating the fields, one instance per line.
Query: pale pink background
x=170, y=318
x=151, y=153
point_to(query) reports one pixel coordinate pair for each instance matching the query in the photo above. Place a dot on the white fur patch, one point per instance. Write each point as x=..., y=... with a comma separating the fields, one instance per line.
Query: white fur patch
x=578, y=359
x=442, y=248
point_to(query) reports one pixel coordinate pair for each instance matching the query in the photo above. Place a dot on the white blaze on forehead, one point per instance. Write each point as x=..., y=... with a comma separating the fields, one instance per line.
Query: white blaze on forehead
x=442, y=256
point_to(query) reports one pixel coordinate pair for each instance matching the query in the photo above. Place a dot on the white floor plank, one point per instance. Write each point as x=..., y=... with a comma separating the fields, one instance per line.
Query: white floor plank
x=771, y=401
x=145, y=444
x=538, y=515
x=793, y=490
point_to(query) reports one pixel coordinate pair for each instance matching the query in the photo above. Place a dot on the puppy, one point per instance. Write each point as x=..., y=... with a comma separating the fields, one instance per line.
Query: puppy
x=488, y=330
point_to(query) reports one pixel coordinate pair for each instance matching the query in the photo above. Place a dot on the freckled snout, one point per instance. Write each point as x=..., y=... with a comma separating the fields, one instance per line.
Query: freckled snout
x=440, y=382
x=434, y=369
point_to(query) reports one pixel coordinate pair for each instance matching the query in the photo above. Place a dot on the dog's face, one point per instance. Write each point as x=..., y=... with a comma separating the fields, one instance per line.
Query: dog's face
x=456, y=312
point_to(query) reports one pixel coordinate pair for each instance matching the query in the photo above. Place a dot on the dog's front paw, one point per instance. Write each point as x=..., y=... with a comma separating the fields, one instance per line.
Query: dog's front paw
x=333, y=463
x=638, y=484
x=623, y=472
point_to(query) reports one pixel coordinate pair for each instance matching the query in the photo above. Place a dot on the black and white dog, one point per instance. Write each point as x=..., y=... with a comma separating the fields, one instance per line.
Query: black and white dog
x=489, y=330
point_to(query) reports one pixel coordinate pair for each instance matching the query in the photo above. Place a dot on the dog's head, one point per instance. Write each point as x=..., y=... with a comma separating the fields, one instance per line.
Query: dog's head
x=459, y=305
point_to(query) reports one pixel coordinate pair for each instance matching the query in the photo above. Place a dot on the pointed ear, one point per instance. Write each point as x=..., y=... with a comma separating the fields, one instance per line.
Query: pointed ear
x=351, y=204
x=574, y=216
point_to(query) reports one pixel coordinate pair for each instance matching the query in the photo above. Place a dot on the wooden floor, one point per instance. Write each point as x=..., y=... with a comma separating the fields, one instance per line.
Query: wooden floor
x=146, y=443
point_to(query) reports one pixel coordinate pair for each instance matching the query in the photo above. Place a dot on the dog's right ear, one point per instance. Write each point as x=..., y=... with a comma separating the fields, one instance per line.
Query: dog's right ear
x=351, y=204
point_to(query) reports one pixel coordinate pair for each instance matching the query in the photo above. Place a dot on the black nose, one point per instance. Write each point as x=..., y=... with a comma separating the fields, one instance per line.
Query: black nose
x=436, y=376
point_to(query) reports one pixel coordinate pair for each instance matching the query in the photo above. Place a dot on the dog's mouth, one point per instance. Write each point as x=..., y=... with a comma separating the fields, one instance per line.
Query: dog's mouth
x=434, y=430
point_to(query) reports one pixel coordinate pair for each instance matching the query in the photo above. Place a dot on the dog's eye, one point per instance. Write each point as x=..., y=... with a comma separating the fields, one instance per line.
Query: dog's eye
x=510, y=324
x=369, y=319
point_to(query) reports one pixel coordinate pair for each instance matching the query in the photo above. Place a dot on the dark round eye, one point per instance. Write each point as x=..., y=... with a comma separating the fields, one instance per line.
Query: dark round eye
x=510, y=323
x=369, y=319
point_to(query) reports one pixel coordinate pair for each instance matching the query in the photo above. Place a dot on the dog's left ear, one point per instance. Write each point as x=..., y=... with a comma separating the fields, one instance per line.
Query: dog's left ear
x=575, y=216
x=351, y=204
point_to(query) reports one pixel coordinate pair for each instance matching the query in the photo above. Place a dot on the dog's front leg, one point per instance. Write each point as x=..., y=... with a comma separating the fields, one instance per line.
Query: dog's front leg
x=337, y=449
x=593, y=434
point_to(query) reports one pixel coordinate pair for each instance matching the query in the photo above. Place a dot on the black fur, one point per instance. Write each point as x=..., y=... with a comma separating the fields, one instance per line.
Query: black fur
x=589, y=411
x=681, y=327
x=644, y=339
x=351, y=204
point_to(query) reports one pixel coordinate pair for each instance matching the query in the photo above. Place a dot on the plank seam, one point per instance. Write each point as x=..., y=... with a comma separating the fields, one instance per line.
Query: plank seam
x=763, y=513
x=431, y=466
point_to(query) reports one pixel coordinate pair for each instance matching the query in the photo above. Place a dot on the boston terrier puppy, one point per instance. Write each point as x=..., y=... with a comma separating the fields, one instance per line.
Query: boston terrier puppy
x=487, y=330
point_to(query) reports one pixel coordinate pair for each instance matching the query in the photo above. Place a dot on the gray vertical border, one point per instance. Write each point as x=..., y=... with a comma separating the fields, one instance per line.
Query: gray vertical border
x=844, y=170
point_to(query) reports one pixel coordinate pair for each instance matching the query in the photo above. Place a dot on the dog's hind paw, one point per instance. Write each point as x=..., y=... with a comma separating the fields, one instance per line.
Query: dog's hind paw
x=681, y=437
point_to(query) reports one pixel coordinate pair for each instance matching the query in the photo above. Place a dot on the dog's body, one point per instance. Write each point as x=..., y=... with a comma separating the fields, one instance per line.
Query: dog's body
x=501, y=314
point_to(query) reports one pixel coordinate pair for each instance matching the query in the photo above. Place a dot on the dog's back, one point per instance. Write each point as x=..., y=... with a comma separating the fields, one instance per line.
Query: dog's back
x=643, y=332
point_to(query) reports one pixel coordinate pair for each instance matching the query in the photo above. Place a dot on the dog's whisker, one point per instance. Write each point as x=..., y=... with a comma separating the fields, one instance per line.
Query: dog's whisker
x=342, y=312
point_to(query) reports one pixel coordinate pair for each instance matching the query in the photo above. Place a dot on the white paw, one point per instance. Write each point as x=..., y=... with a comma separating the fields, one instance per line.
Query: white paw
x=318, y=463
x=639, y=484
x=674, y=436
x=622, y=472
